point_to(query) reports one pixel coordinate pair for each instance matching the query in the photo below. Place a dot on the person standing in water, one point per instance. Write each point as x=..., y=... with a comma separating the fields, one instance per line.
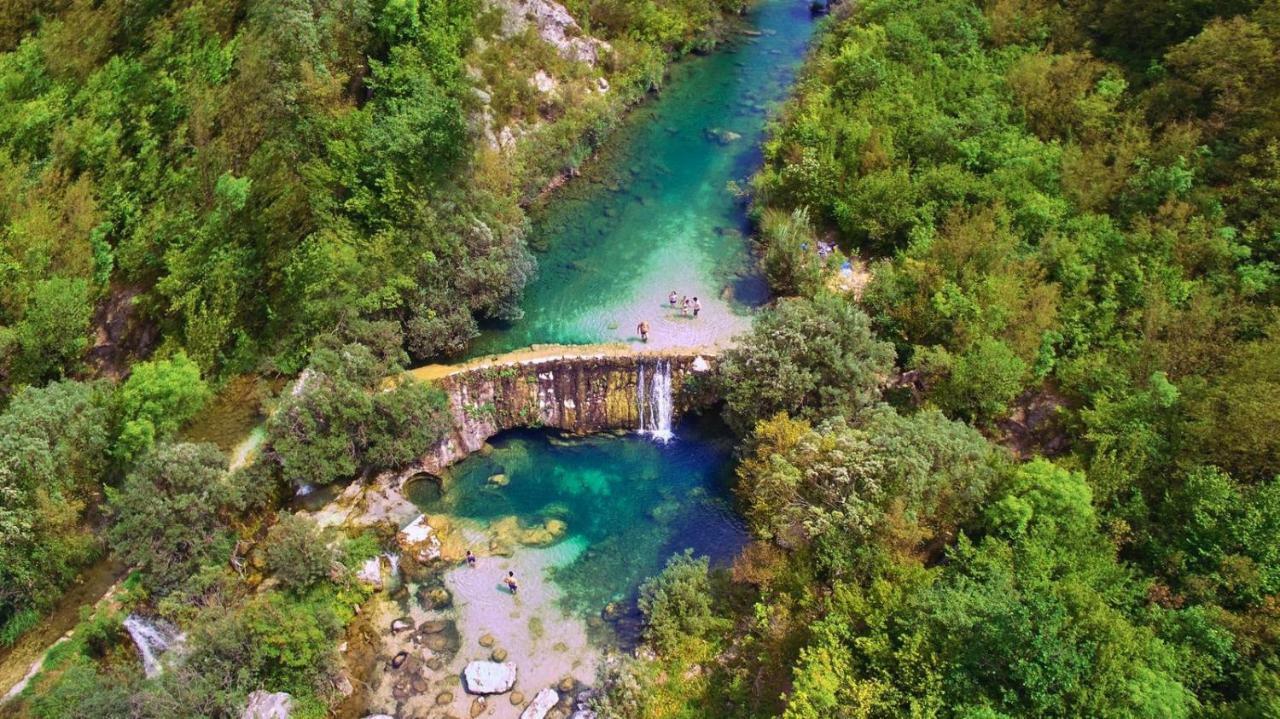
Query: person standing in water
x=697, y=306
x=671, y=298
x=471, y=559
x=643, y=329
x=510, y=580
x=684, y=306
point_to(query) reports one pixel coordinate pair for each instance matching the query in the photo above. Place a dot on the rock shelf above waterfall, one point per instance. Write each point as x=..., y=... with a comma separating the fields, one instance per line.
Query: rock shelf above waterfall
x=578, y=389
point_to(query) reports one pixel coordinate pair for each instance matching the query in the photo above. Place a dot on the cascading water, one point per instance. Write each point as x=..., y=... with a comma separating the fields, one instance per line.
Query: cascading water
x=653, y=401
x=153, y=637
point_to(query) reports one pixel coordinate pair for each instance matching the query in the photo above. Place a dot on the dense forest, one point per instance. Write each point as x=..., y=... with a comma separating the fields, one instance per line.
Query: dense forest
x=1030, y=469
x=193, y=191
x=1068, y=213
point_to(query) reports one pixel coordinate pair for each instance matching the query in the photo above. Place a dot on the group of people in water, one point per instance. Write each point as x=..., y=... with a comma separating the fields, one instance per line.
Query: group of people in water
x=509, y=580
x=689, y=306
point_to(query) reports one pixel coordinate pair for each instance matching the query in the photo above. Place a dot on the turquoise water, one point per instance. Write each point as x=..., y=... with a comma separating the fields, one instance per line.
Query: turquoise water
x=634, y=501
x=654, y=212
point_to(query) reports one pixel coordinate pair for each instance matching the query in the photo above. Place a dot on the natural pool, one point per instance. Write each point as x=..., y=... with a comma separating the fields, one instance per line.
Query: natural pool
x=655, y=212
x=582, y=522
x=630, y=502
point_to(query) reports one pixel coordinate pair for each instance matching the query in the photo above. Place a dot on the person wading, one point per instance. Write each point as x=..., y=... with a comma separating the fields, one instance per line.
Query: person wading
x=510, y=581
x=643, y=329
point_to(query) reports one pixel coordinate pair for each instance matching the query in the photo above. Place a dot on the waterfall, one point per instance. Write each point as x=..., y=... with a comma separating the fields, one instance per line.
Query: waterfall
x=653, y=401
x=153, y=637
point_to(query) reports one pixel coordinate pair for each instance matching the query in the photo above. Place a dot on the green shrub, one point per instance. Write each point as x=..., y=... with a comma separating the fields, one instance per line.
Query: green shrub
x=677, y=604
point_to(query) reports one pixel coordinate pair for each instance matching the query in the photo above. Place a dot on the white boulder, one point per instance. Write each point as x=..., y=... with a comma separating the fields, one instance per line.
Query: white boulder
x=419, y=540
x=489, y=677
x=541, y=704
x=268, y=705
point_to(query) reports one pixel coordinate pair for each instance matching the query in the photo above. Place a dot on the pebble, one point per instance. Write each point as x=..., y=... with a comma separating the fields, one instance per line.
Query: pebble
x=478, y=706
x=499, y=655
x=517, y=698
x=487, y=640
x=444, y=698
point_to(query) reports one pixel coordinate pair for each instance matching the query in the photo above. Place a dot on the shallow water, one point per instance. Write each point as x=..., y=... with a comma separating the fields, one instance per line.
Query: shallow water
x=629, y=502
x=654, y=213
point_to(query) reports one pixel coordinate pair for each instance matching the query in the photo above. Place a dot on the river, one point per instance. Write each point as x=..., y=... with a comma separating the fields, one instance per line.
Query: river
x=655, y=212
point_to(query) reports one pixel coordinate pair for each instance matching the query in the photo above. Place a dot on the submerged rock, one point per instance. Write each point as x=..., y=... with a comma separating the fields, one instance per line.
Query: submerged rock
x=268, y=705
x=542, y=703
x=721, y=136
x=489, y=677
x=499, y=480
x=434, y=626
x=434, y=598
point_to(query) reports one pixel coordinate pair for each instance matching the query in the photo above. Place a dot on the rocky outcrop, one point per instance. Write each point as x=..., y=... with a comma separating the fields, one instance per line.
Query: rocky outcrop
x=577, y=389
x=419, y=541
x=554, y=24
x=268, y=705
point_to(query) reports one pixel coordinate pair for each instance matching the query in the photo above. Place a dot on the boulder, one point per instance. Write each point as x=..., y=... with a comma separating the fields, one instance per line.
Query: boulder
x=499, y=480
x=583, y=714
x=555, y=25
x=542, y=703
x=268, y=705
x=371, y=573
x=489, y=677
x=556, y=527
x=721, y=136
x=419, y=540
x=543, y=82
